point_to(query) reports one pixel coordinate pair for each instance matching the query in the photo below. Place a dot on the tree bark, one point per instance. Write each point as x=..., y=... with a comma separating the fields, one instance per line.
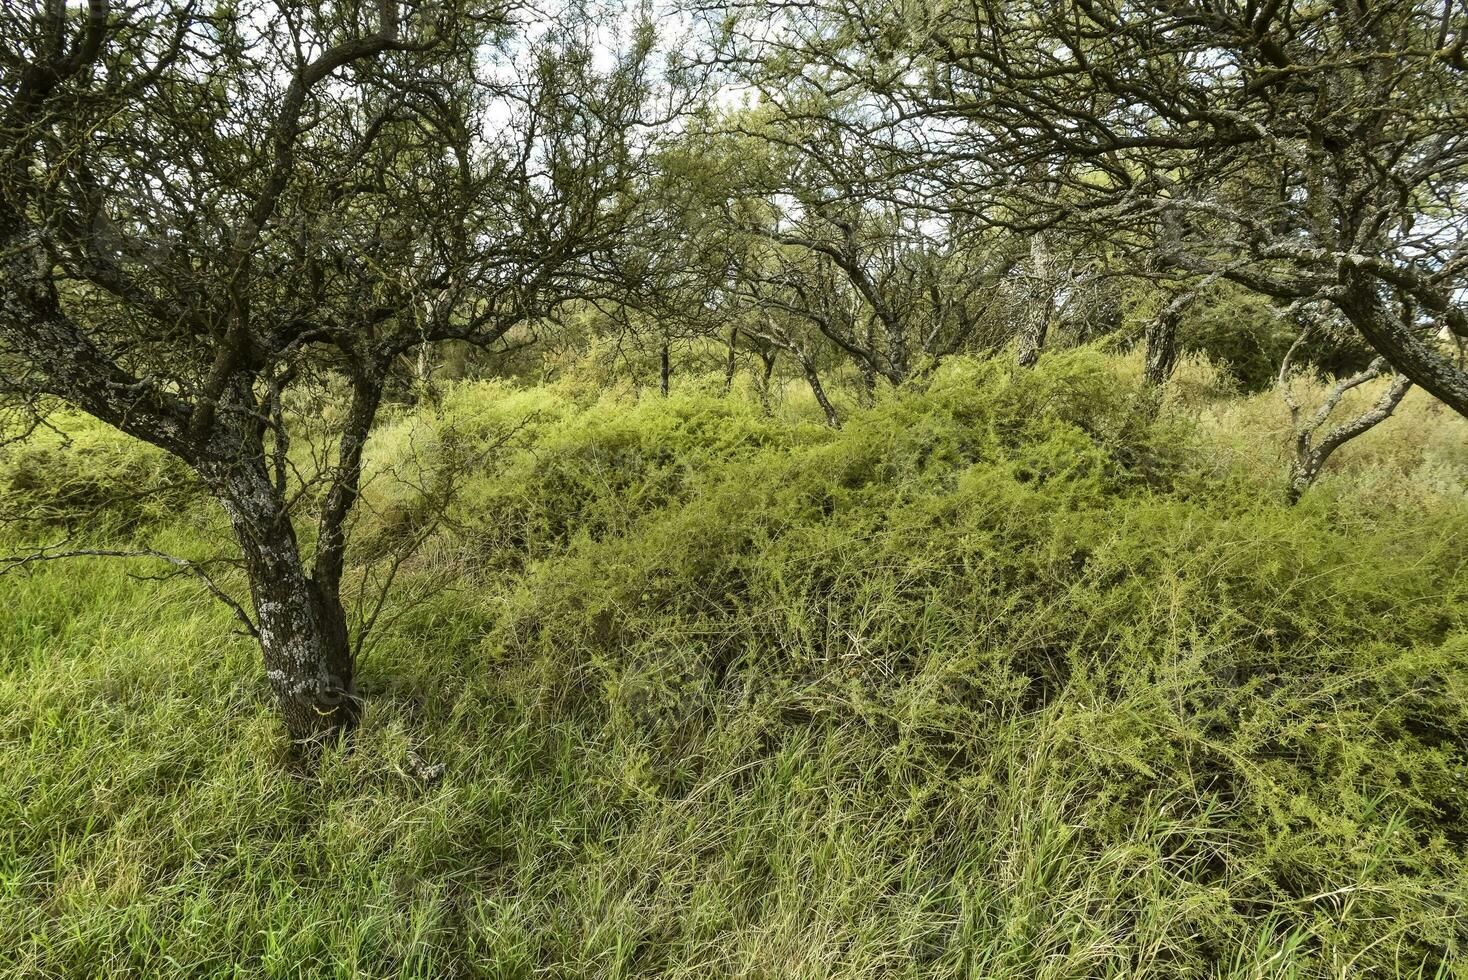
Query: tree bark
x=1311, y=455
x=768, y=359
x=1041, y=304
x=819, y=390
x=1403, y=350
x=302, y=626
x=1032, y=338
x=1162, y=345
x=730, y=364
x=1162, y=331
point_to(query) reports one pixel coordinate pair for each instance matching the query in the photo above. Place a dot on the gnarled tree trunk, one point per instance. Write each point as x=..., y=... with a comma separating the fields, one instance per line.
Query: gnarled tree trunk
x=819, y=390
x=1040, y=299
x=767, y=360
x=1311, y=454
x=1405, y=350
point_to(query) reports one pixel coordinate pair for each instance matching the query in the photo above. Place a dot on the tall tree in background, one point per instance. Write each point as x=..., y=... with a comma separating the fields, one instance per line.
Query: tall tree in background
x=1313, y=153
x=204, y=206
x=936, y=235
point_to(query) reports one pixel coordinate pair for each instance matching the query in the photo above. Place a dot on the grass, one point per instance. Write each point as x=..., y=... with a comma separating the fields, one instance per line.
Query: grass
x=1009, y=678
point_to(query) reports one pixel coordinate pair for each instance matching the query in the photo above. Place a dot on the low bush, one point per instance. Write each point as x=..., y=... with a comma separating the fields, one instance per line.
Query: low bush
x=1015, y=675
x=90, y=479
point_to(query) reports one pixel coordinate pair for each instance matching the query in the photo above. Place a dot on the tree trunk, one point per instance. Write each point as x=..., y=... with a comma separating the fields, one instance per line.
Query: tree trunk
x=1032, y=338
x=819, y=390
x=731, y=363
x=302, y=626
x=1404, y=350
x=768, y=359
x=1161, y=356
x=666, y=372
x=898, y=354
x=1041, y=303
x=1162, y=345
x=1311, y=455
x=868, y=376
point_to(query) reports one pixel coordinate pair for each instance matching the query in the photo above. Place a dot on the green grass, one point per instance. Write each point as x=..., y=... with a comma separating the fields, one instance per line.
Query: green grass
x=1008, y=678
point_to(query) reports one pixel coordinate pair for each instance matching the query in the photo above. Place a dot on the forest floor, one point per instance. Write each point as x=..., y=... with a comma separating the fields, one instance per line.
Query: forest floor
x=1015, y=676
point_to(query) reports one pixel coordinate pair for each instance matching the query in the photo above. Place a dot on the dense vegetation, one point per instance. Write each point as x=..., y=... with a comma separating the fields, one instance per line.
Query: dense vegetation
x=1012, y=676
x=700, y=487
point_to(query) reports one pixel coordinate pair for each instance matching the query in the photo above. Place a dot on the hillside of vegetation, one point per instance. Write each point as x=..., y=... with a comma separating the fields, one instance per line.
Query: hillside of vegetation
x=1014, y=675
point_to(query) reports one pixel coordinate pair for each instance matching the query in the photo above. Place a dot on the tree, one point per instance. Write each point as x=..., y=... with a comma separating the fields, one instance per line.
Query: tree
x=1306, y=152
x=830, y=239
x=201, y=208
x=1311, y=447
x=1311, y=154
x=938, y=241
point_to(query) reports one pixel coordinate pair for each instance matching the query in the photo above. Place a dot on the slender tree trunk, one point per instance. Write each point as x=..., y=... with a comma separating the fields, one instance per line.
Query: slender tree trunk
x=1162, y=345
x=665, y=376
x=768, y=359
x=1311, y=454
x=1041, y=304
x=1161, y=339
x=302, y=626
x=730, y=364
x=868, y=383
x=898, y=354
x=819, y=390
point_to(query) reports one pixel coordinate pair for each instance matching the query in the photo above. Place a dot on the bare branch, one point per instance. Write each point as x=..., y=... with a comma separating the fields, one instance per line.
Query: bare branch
x=53, y=553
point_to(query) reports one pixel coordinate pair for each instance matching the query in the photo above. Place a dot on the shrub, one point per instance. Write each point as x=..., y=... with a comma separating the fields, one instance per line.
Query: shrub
x=1011, y=676
x=84, y=475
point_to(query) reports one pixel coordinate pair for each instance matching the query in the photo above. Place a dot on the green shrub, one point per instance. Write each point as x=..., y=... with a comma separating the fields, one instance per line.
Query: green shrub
x=84, y=475
x=1014, y=676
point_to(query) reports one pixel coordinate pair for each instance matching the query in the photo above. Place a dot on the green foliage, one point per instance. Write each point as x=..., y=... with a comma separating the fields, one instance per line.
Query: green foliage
x=1013, y=676
x=1244, y=332
x=82, y=476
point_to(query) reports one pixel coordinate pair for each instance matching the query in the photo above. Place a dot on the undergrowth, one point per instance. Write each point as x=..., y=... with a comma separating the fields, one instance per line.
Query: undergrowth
x=1012, y=676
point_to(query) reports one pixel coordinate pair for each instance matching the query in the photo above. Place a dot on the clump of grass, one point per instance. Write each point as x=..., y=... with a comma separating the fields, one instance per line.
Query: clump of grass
x=1012, y=676
x=77, y=476
x=1417, y=456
